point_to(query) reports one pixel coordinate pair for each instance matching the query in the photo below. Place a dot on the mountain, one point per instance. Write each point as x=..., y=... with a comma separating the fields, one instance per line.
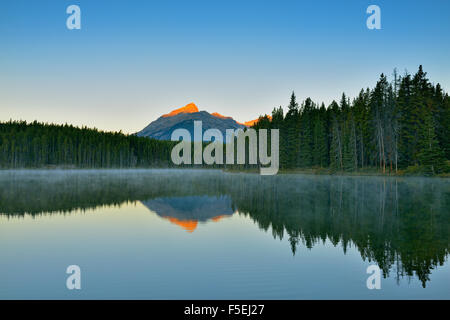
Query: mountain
x=184, y=117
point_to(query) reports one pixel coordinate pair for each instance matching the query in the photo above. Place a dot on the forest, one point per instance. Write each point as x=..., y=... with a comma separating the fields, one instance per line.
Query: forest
x=398, y=126
x=36, y=145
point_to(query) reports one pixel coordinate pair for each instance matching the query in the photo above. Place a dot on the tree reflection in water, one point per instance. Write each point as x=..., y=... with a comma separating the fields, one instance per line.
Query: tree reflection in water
x=402, y=224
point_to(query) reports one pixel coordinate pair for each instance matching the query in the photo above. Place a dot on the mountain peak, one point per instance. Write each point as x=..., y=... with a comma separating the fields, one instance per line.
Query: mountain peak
x=189, y=108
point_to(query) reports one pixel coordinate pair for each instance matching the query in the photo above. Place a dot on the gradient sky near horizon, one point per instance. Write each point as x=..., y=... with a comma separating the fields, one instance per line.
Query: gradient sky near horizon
x=135, y=60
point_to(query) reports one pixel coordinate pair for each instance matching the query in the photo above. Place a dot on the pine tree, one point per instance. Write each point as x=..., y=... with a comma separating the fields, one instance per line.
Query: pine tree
x=336, y=141
x=320, y=143
x=291, y=124
x=407, y=121
x=279, y=123
x=306, y=134
x=429, y=153
x=378, y=106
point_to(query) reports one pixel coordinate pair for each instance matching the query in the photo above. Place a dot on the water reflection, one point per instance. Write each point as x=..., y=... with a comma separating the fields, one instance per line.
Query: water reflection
x=401, y=224
x=188, y=211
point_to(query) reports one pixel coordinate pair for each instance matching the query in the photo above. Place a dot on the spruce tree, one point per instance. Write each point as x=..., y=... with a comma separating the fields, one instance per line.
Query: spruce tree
x=429, y=154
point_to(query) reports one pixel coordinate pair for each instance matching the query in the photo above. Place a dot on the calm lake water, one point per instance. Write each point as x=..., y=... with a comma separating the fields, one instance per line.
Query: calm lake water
x=187, y=234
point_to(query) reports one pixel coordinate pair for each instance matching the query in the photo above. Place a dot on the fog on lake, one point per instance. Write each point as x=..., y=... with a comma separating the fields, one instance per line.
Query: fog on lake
x=209, y=234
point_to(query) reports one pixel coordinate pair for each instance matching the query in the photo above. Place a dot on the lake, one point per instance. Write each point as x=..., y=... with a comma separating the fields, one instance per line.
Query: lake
x=206, y=234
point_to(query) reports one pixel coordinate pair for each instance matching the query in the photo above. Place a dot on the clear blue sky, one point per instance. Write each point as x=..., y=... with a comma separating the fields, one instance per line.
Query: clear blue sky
x=134, y=60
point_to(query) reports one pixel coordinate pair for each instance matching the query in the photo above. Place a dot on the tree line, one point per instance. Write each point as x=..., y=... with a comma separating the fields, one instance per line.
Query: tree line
x=32, y=145
x=397, y=125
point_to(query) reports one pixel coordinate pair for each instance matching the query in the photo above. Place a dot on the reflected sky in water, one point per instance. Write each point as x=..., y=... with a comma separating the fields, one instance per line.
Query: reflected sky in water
x=161, y=234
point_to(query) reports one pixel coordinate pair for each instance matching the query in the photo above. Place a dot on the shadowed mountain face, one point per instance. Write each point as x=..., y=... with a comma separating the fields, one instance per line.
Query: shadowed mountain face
x=188, y=211
x=184, y=117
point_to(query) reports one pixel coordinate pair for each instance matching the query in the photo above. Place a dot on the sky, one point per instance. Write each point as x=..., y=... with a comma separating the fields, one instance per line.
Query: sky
x=133, y=61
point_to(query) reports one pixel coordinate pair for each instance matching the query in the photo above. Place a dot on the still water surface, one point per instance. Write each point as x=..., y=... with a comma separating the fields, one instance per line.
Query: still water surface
x=187, y=234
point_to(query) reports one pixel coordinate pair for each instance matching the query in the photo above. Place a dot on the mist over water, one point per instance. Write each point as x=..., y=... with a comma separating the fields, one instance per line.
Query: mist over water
x=207, y=234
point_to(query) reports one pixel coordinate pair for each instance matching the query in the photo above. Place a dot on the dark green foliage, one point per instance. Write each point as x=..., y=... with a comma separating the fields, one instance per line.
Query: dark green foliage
x=292, y=130
x=394, y=126
x=430, y=155
x=320, y=142
x=305, y=131
x=31, y=145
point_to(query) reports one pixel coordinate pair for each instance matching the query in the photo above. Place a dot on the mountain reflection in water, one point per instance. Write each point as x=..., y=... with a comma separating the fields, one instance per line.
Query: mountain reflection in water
x=402, y=224
x=188, y=211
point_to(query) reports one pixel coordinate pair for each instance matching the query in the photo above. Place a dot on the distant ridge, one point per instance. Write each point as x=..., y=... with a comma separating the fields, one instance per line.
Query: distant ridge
x=218, y=115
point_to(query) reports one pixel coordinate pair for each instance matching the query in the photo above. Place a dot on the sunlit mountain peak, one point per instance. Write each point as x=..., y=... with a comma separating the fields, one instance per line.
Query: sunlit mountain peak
x=189, y=108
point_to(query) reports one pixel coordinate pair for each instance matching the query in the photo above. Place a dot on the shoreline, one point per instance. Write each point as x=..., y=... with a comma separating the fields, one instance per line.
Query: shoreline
x=306, y=171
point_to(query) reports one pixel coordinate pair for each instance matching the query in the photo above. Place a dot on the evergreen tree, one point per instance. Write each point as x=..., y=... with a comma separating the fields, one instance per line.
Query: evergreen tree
x=429, y=154
x=320, y=143
x=291, y=125
x=336, y=141
x=306, y=134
